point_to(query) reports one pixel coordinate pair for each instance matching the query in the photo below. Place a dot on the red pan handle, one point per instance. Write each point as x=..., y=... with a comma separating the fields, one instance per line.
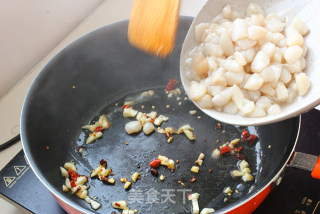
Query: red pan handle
x=306, y=161
x=316, y=170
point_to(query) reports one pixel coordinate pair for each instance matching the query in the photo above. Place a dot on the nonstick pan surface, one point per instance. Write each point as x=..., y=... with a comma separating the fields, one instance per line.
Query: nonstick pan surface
x=87, y=79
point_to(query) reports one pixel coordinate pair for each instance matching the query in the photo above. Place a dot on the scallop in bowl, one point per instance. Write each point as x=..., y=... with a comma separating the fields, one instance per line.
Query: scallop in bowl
x=253, y=62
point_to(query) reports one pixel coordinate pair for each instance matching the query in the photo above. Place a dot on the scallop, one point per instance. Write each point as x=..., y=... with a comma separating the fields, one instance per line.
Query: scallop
x=277, y=37
x=233, y=66
x=285, y=76
x=227, y=12
x=292, y=92
x=268, y=74
x=237, y=96
x=240, y=59
x=258, y=112
x=230, y=108
x=263, y=102
x=239, y=30
x=245, y=44
x=247, y=106
x=276, y=58
x=148, y=128
x=254, y=9
x=238, y=15
x=199, y=29
x=206, y=102
x=254, y=95
x=226, y=44
x=133, y=127
x=256, y=32
x=303, y=83
x=269, y=48
x=295, y=67
x=281, y=92
x=217, y=78
x=274, y=109
x=268, y=38
x=234, y=77
x=223, y=97
x=257, y=19
x=254, y=82
x=267, y=89
x=260, y=62
x=196, y=91
x=293, y=54
x=299, y=26
x=200, y=64
x=213, y=50
x=294, y=37
x=214, y=90
x=274, y=24
x=213, y=65
x=249, y=54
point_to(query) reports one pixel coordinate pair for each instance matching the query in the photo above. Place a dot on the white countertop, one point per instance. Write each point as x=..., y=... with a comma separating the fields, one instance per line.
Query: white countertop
x=108, y=12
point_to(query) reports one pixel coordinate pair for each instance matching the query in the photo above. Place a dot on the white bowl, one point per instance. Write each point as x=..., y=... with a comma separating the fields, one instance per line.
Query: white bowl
x=308, y=11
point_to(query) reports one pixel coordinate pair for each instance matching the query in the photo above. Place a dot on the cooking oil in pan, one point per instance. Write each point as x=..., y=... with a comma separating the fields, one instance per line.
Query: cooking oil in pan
x=125, y=152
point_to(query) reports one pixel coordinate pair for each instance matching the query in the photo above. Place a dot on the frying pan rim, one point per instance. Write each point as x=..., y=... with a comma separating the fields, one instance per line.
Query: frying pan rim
x=247, y=198
x=66, y=200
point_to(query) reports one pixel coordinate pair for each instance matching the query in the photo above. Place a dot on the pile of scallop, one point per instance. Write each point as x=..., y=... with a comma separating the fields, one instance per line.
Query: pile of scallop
x=248, y=64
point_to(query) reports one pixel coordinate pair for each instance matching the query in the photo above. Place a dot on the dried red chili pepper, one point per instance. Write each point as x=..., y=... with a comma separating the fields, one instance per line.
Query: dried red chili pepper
x=103, y=163
x=238, y=149
x=155, y=163
x=72, y=183
x=154, y=172
x=237, y=153
x=117, y=204
x=252, y=139
x=172, y=84
x=73, y=175
x=239, y=156
x=167, y=134
x=125, y=106
x=245, y=135
x=98, y=129
x=218, y=126
x=193, y=179
x=102, y=178
x=225, y=149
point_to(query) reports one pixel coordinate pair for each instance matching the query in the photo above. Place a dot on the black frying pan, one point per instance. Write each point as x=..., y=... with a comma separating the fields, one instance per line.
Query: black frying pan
x=106, y=70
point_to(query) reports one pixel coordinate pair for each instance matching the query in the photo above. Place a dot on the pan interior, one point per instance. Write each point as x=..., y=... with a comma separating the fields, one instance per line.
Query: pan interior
x=141, y=149
x=92, y=74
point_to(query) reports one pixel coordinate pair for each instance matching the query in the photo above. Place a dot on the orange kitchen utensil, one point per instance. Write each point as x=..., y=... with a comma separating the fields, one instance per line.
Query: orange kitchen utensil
x=153, y=24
